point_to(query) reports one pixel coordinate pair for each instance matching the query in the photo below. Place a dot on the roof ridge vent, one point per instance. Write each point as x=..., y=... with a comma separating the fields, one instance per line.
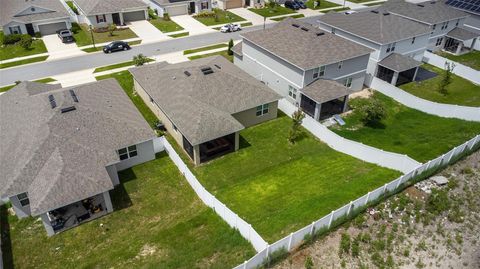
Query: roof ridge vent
x=304, y=29
x=74, y=96
x=374, y=11
x=187, y=73
x=206, y=70
x=67, y=109
x=53, y=104
x=420, y=5
x=295, y=25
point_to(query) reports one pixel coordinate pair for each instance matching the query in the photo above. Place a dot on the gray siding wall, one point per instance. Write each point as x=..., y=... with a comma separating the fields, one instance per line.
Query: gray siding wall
x=93, y=20
x=20, y=211
x=112, y=172
x=405, y=47
x=145, y=153
x=248, y=117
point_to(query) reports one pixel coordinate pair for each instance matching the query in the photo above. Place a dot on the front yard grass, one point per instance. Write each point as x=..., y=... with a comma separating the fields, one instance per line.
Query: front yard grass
x=83, y=36
x=408, y=131
x=460, y=91
x=224, y=53
x=22, y=62
x=165, y=26
x=223, y=17
x=158, y=222
x=115, y=66
x=296, y=16
x=323, y=4
x=278, y=187
x=471, y=59
x=270, y=12
x=212, y=47
x=14, y=51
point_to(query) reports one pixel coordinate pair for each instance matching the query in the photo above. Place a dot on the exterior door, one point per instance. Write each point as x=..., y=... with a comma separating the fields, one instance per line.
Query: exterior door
x=30, y=29
x=116, y=18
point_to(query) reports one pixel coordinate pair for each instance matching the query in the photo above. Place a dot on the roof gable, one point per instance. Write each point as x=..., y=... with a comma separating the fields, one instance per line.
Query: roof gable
x=33, y=10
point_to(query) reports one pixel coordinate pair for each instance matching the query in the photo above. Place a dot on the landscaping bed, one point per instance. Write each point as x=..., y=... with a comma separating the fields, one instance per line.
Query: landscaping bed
x=270, y=12
x=158, y=222
x=279, y=187
x=15, y=50
x=460, y=91
x=471, y=59
x=407, y=131
x=217, y=16
x=82, y=35
x=323, y=4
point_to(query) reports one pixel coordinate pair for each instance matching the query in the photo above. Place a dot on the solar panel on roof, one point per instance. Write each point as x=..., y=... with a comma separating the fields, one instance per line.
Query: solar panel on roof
x=467, y=5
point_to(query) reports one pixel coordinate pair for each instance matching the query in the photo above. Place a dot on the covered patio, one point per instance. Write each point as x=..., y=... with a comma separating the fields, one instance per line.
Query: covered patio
x=324, y=98
x=460, y=41
x=397, y=69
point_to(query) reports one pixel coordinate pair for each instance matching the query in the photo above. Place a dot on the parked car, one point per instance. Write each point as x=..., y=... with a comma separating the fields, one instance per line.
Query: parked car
x=65, y=35
x=231, y=27
x=291, y=5
x=116, y=46
x=300, y=3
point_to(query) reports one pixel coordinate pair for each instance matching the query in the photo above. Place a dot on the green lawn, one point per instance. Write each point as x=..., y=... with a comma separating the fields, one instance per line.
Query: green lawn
x=408, y=131
x=460, y=91
x=278, y=187
x=296, y=16
x=165, y=26
x=180, y=35
x=83, y=35
x=341, y=9
x=115, y=66
x=223, y=18
x=323, y=4
x=14, y=51
x=373, y=4
x=22, y=62
x=471, y=59
x=43, y=80
x=270, y=12
x=224, y=53
x=359, y=1
x=212, y=47
x=72, y=7
x=159, y=222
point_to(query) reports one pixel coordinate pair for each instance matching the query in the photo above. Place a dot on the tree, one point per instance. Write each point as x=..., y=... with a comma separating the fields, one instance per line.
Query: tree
x=230, y=46
x=446, y=78
x=294, y=133
x=372, y=111
x=26, y=42
x=140, y=59
x=111, y=28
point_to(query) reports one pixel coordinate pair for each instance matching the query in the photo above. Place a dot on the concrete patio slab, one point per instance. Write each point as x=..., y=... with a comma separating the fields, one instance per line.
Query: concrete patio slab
x=191, y=25
x=146, y=31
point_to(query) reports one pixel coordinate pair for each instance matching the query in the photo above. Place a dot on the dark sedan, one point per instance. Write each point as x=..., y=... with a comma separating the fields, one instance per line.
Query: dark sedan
x=116, y=46
x=300, y=4
x=291, y=5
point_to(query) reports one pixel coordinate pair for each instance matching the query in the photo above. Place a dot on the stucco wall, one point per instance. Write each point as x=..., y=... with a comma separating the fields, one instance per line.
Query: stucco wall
x=145, y=153
x=249, y=118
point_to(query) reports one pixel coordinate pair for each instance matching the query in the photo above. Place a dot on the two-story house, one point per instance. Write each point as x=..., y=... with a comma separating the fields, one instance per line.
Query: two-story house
x=398, y=43
x=313, y=69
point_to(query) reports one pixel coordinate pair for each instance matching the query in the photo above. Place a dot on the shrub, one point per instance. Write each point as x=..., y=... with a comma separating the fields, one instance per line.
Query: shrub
x=12, y=39
x=309, y=263
x=372, y=111
x=230, y=46
x=166, y=16
x=294, y=133
x=75, y=28
x=38, y=34
x=26, y=42
x=73, y=7
x=111, y=28
x=152, y=14
x=446, y=78
x=139, y=59
x=344, y=244
x=438, y=201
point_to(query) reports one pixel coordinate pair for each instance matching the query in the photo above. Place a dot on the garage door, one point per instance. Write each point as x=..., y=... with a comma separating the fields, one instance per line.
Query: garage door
x=233, y=4
x=134, y=16
x=51, y=28
x=177, y=10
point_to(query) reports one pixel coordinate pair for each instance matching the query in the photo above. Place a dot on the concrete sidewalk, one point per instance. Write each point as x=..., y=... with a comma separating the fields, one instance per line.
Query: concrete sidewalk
x=191, y=25
x=146, y=31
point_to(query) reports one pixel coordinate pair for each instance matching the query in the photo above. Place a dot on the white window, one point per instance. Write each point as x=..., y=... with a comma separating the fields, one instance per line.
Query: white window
x=322, y=71
x=15, y=30
x=262, y=110
x=340, y=64
x=391, y=47
x=127, y=152
x=292, y=92
x=319, y=72
x=413, y=40
x=348, y=82
x=23, y=198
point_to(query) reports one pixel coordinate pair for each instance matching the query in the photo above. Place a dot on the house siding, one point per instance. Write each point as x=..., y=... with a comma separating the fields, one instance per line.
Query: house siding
x=113, y=173
x=20, y=211
x=145, y=153
x=249, y=118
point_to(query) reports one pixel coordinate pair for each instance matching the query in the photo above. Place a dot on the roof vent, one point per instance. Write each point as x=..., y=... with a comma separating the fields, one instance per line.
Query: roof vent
x=53, y=104
x=320, y=33
x=187, y=73
x=207, y=70
x=74, y=96
x=295, y=25
x=386, y=13
x=374, y=11
x=420, y=5
x=433, y=2
x=218, y=66
x=304, y=29
x=67, y=109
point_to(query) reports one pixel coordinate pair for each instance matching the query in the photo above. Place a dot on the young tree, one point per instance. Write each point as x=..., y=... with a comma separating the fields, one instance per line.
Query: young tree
x=372, y=111
x=446, y=78
x=139, y=59
x=26, y=42
x=230, y=46
x=111, y=28
x=294, y=133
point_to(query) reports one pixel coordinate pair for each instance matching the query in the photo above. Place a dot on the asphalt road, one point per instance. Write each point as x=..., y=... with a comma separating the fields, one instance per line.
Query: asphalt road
x=92, y=60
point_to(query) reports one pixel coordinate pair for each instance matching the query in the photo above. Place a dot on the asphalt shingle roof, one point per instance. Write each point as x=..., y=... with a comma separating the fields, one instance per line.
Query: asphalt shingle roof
x=462, y=34
x=399, y=63
x=324, y=90
x=201, y=106
x=302, y=46
x=95, y=7
x=60, y=158
x=10, y=8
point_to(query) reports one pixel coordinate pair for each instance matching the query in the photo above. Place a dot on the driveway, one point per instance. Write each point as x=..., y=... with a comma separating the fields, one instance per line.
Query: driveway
x=57, y=49
x=252, y=17
x=191, y=25
x=146, y=31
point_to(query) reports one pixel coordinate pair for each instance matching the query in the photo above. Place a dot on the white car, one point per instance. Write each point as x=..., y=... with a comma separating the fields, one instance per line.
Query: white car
x=230, y=28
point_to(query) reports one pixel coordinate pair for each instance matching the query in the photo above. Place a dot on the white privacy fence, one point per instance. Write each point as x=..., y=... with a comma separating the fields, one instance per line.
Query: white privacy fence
x=459, y=70
x=295, y=239
x=245, y=229
x=358, y=150
x=442, y=110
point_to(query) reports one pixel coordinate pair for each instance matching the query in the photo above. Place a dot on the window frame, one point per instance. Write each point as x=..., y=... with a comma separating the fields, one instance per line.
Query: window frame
x=127, y=152
x=316, y=72
x=262, y=110
x=24, y=201
x=15, y=28
x=292, y=92
x=348, y=82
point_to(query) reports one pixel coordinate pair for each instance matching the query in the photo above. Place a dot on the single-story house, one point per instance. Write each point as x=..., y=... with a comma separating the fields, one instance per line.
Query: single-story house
x=65, y=146
x=103, y=12
x=32, y=16
x=180, y=7
x=204, y=103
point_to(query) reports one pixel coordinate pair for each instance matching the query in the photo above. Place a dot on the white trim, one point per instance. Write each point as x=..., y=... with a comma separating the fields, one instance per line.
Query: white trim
x=351, y=74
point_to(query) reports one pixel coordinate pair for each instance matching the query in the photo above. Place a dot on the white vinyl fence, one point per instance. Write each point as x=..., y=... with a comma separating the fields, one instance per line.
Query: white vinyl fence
x=459, y=70
x=222, y=210
x=295, y=239
x=358, y=150
x=442, y=110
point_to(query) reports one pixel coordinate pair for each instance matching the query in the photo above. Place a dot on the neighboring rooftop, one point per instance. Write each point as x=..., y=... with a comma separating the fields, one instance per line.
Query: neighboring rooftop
x=472, y=6
x=376, y=25
x=11, y=10
x=96, y=7
x=201, y=96
x=60, y=158
x=399, y=63
x=324, y=90
x=430, y=12
x=304, y=45
x=462, y=34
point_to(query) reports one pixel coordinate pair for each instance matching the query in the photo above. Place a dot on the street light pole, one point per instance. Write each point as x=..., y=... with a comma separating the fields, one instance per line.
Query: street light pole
x=264, y=20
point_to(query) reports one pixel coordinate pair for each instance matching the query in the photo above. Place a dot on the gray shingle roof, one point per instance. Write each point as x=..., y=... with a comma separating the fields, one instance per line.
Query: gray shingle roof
x=10, y=8
x=302, y=47
x=201, y=106
x=399, y=63
x=376, y=27
x=430, y=12
x=94, y=7
x=462, y=34
x=324, y=90
x=60, y=158
x=237, y=49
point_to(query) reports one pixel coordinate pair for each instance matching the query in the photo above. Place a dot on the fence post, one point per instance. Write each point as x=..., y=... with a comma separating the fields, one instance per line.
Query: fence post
x=368, y=197
x=290, y=242
x=349, y=208
x=331, y=219
x=451, y=155
x=267, y=253
x=245, y=265
x=313, y=227
x=428, y=165
x=399, y=182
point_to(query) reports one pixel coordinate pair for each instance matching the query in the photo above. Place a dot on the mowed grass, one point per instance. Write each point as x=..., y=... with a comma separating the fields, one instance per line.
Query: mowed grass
x=212, y=47
x=471, y=59
x=119, y=65
x=278, y=187
x=165, y=26
x=460, y=91
x=14, y=51
x=296, y=16
x=223, y=17
x=323, y=4
x=83, y=36
x=158, y=222
x=184, y=34
x=270, y=12
x=408, y=131
x=22, y=62
x=224, y=53
x=43, y=80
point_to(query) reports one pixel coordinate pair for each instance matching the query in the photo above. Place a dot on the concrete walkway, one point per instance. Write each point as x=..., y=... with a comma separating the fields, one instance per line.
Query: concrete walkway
x=391, y=160
x=191, y=25
x=442, y=110
x=146, y=31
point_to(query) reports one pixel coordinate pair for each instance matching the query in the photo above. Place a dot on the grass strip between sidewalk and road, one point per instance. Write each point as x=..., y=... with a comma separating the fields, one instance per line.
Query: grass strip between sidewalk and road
x=212, y=47
x=224, y=53
x=43, y=80
x=115, y=66
x=22, y=62
x=297, y=16
x=180, y=35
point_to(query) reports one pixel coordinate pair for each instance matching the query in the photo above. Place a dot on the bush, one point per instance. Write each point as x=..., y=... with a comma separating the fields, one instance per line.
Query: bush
x=152, y=14
x=26, y=42
x=166, y=16
x=438, y=202
x=72, y=7
x=139, y=59
x=111, y=28
x=12, y=39
x=230, y=46
x=372, y=111
x=205, y=14
x=38, y=35
x=75, y=28
x=308, y=263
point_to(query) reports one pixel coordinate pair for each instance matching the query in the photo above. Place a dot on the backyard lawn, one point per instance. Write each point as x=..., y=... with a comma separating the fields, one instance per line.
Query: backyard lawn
x=223, y=17
x=83, y=37
x=471, y=59
x=460, y=91
x=278, y=187
x=323, y=4
x=158, y=222
x=165, y=26
x=14, y=51
x=408, y=131
x=270, y=12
